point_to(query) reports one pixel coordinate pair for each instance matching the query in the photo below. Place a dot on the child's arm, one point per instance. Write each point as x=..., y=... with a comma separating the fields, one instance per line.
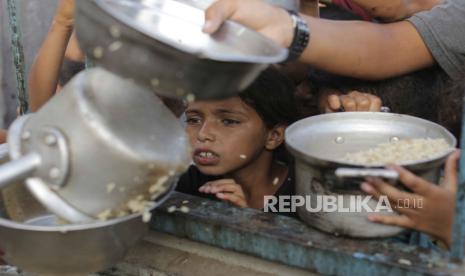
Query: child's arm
x=45, y=70
x=436, y=215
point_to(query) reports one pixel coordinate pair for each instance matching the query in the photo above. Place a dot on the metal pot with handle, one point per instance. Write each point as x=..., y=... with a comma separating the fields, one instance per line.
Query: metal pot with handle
x=319, y=144
x=98, y=149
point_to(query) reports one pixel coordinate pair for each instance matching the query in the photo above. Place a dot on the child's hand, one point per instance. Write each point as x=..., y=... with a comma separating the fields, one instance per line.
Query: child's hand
x=227, y=190
x=65, y=13
x=333, y=101
x=436, y=214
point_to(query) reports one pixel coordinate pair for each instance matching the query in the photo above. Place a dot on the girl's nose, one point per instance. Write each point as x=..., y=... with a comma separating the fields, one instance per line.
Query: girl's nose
x=206, y=133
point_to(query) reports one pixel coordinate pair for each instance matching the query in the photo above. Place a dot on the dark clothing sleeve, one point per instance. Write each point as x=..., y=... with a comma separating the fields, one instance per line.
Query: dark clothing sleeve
x=192, y=180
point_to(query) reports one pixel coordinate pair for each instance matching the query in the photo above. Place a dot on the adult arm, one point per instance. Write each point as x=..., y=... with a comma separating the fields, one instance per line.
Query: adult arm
x=358, y=49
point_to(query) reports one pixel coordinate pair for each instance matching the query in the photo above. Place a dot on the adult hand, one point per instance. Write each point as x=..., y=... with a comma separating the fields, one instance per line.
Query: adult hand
x=65, y=13
x=333, y=101
x=430, y=208
x=269, y=20
x=226, y=190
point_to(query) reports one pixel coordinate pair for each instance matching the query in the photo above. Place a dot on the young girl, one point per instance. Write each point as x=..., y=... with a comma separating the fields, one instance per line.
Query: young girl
x=237, y=143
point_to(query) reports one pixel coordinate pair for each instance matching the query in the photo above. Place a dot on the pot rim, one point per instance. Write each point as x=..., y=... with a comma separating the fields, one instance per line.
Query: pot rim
x=330, y=162
x=64, y=228
x=279, y=54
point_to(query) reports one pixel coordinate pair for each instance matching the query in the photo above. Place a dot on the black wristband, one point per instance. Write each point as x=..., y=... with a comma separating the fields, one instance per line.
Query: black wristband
x=300, y=39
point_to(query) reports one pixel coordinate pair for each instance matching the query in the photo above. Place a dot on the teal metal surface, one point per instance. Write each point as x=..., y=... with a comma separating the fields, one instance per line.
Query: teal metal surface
x=458, y=235
x=289, y=241
x=18, y=55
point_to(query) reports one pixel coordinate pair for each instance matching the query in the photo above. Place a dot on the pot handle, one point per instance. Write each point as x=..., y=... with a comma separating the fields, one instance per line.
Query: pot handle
x=19, y=169
x=343, y=173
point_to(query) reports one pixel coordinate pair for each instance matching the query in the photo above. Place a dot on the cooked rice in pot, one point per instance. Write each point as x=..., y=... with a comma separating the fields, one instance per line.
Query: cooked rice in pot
x=402, y=151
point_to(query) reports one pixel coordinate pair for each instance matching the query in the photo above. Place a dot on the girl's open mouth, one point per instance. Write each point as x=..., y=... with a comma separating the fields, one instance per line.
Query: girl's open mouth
x=206, y=157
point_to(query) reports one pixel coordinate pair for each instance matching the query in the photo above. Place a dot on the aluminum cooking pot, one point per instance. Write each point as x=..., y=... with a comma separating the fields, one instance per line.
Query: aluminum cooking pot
x=160, y=44
x=97, y=149
x=36, y=241
x=319, y=143
x=290, y=5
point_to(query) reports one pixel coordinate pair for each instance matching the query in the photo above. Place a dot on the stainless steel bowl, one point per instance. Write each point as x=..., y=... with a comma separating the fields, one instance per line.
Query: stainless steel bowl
x=160, y=44
x=291, y=5
x=35, y=241
x=318, y=143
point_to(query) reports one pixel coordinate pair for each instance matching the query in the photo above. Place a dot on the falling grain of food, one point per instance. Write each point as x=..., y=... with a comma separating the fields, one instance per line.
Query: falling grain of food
x=115, y=46
x=111, y=187
x=115, y=31
x=404, y=262
x=98, y=52
x=275, y=181
x=190, y=98
x=146, y=216
x=184, y=209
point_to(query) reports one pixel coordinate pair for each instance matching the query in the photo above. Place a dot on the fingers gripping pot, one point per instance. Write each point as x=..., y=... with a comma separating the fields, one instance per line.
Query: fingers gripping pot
x=160, y=44
x=98, y=148
x=319, y=144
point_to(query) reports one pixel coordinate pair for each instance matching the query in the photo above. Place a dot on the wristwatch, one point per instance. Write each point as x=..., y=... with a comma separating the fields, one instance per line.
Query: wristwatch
x=301, y=37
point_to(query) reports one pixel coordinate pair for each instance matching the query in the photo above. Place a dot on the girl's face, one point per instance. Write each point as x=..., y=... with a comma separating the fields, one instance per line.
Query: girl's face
x=226, y=135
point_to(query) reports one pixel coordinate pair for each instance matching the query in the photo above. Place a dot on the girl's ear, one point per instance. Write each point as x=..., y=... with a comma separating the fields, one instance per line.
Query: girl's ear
x=275, y=137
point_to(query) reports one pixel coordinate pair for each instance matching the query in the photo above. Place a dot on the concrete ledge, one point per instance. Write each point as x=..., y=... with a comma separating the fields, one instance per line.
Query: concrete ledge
x=290, y=242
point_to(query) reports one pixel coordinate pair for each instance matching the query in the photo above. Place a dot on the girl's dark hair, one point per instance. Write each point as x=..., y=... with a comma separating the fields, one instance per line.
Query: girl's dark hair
x=272, y=97
x=69, y=69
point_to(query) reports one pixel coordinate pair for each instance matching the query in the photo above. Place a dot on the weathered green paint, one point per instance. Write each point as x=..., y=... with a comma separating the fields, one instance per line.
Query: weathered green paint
x=18, y=56
x=289, y=241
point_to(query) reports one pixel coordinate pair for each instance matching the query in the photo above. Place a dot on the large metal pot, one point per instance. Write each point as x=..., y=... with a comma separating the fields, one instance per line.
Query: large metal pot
x=36, y=241
x=97, y=149
x=160, y=44
x=318, y=144
x=290, y=5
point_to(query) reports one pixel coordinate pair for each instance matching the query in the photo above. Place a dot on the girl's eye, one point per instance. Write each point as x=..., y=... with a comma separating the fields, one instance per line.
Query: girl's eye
x=193, y=120
x=230, y=122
